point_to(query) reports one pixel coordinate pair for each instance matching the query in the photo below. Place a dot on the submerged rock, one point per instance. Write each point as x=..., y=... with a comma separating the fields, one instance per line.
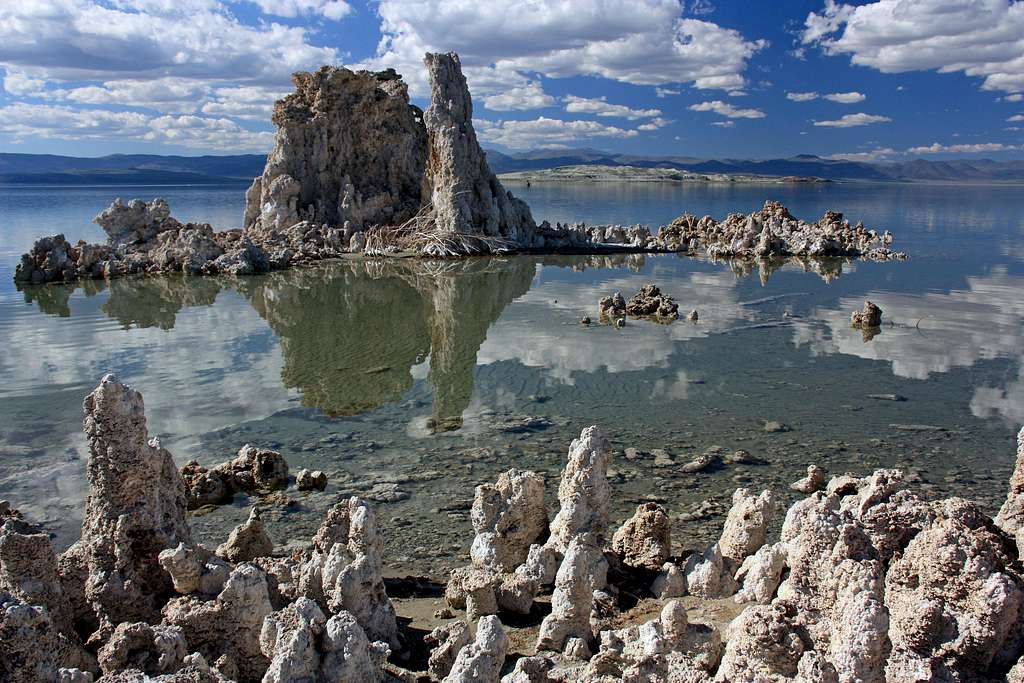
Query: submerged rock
x=650, y=302
x=868, y=317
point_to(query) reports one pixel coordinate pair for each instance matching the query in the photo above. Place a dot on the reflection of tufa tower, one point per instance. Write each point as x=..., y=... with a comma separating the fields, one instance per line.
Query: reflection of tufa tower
x=351, y=332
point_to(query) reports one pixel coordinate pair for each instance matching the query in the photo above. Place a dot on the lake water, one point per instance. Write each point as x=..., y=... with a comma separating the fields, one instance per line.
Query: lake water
x=410, y=382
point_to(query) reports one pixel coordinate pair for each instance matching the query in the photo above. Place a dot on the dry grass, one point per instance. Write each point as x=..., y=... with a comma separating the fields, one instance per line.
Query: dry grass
x=421, y=235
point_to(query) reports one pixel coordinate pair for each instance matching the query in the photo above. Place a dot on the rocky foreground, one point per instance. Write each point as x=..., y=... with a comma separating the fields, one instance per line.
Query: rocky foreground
x=356, y=168
x=868, y=582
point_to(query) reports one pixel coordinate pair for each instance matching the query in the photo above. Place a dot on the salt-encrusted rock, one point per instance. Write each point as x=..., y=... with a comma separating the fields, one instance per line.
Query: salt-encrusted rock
x=530, y=670
x=1011, y=515
x=707, y=574
x=153, y=650
x=583, y=571
x=247, y=541
x=481, y=660
x=135, y=222
x=135, y=508
x=31, y=648
x=254, y=470
x=349, y=152
x=311, y=480
x=584, y=494
x=762, y=645
x=194, y=569
x=303, y=645
x=814, y=480
x=345, y=570
x=508, y=518
x=74, y=675
x=541, y=564
x=760, y=573
x=28, y=567
x=51, y=259
x=953, y=600
x=448, y=641
x=613, y=306
x=205, y=487
x=869, y=316
x=668, y=648
x=466, y=196
x=670, y=582
x=645, y=539
x=649, y=301
x=229, y=626
x=746, y=525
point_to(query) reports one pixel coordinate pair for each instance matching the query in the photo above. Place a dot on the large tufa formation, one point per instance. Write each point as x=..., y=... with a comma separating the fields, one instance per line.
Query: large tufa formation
x=1011, y=515
x=466, y=196
x=352, y=153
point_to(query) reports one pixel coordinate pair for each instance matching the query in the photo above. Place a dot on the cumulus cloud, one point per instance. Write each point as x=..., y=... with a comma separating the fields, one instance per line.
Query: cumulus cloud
x=545, y=132
x=936, y=148
x=802, y=96
x=601, y=107
x=654, y=124
x=644, y=42
x=1015, y=118
x=1015, y=97
x=727, y=110
x=853, y=120
x=529, y=96
x=877, y=154
x=329, y=9
x=841, y=97
x=845, y=97
x=24, y=122
x=982, y=38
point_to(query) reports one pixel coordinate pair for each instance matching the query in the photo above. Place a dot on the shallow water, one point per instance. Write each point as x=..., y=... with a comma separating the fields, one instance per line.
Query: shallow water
x=411, y=382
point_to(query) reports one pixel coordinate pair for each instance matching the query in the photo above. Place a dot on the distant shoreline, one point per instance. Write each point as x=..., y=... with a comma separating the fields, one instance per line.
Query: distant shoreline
x=636, y=174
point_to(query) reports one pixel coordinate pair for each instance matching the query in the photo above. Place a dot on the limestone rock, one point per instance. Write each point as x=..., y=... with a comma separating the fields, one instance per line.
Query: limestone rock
x=670, y=582
x=228, y=626
x=135, y=508
x=508, y=518
x=153, y=650
x=707, y=574
x=28, y=568
x=448, y=641
x=760, y=574
x=613, y=306
x=310, y=480
x=247, y=541
x=204, y=486
x=584, y=494
x=350, y=151
x=583, y=571
x=51, y=259
x=814, y=480
x=466, y=196
x=649, y=301
x=746, y=525
x=1011, y=515
x=869, y=316
x=481, y=660
x=255, y=470
x=645, y=539
x=135, y=222
x=194, y=569
x=32, y=648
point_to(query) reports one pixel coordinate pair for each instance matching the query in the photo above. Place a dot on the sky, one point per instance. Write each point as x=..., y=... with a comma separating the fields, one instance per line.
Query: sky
x=882, y=80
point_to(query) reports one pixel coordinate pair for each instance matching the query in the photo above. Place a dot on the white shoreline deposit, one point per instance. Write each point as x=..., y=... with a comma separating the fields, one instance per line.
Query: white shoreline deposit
x=868, y=582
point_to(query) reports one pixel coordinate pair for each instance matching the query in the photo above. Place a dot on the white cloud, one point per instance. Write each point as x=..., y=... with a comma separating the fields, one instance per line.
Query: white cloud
x=529, y=96
x=983, y=38
x=16, y=83
x=545, y=132
x=853, y=120
x=644, y=42
x=845, y=97
x=654, y=124
x=1015, y=97
x=1015, y=118
x=802, y=96
x=25, y=122
x=726, y=109
x=724, y=124
x=876, y=154
x=665, y=92
x=841, y=97
x=601, y=107
x=936, y=148
x=329, y=9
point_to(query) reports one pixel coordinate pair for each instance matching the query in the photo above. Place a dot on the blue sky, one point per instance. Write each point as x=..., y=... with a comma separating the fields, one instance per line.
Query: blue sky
x=890, y=79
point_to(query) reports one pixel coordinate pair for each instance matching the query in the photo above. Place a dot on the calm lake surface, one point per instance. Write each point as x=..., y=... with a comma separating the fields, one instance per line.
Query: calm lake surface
x=410, y=382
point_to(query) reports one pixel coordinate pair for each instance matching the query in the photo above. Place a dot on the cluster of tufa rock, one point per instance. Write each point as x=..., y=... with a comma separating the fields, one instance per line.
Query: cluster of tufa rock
x=867, y=582
x=357, y=168
x=649, y=302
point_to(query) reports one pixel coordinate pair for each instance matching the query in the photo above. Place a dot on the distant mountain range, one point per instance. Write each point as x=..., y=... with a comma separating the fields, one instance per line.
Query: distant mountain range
x=126, y=169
